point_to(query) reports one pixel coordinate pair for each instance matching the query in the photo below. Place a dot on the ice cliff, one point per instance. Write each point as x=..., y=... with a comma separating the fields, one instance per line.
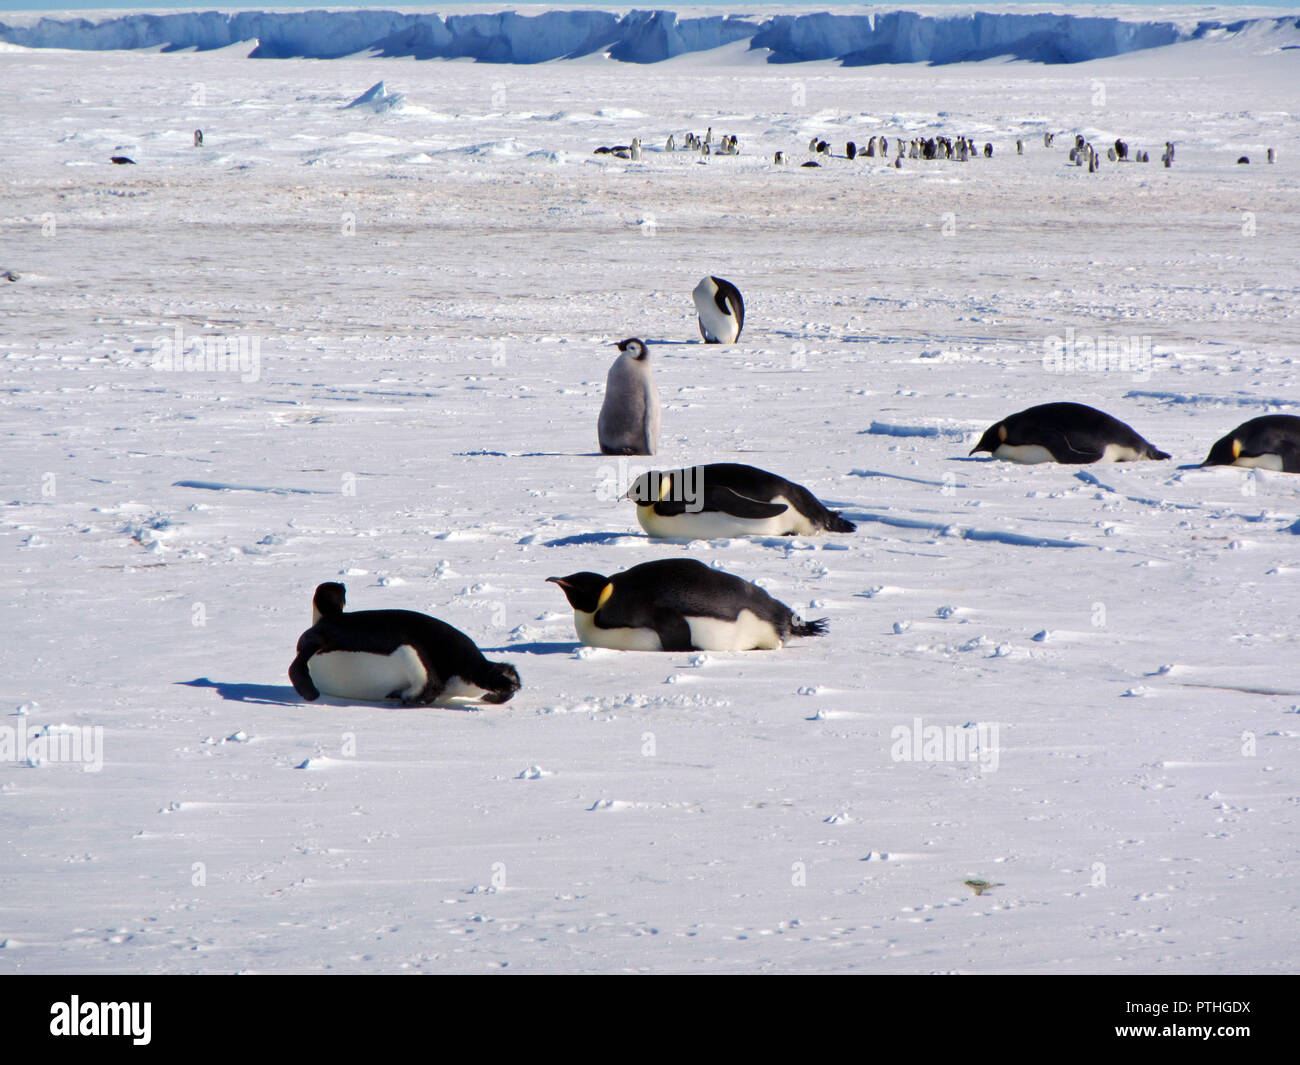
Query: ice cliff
x=634, y=37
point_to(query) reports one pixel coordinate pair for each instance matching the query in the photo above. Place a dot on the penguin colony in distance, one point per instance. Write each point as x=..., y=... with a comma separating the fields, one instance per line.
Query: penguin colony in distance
x=1268, y=443
x=721, y=310
x=679, y=604
x=1070, y=433
x=392, y=654
x=629, y=417
x=725, y=499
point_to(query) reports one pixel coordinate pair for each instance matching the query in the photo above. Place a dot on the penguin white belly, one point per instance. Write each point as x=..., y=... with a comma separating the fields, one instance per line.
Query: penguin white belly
x=747, y=633
x=460, y=688
x=361, y=675
x=1028, y=454
x=1261, y=462
x=625, y=639
x=717, y=524
x=1119, y=453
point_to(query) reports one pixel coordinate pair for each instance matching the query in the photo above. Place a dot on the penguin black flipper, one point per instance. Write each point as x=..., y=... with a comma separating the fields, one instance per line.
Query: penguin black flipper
x=299, y=675
x=721, y=498
x=1070, y=454
x=1290, y=455
x=753, y=483
x=730, y=302
x=674, y=631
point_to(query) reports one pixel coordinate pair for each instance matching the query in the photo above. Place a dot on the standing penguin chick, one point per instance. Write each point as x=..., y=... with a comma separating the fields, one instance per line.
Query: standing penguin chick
x=392, y=654
x=728, y=499
x=721, y=310
x=1268, y=443
x=1069, y=433
x=679, y=604
x=629, y=417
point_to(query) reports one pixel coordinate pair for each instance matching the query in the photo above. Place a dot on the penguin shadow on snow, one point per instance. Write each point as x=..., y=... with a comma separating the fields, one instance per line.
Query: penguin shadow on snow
x=260, y=694
x=537, y=647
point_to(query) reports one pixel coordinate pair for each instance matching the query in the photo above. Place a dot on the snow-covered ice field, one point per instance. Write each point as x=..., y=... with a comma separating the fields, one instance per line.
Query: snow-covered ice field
x=427, y=299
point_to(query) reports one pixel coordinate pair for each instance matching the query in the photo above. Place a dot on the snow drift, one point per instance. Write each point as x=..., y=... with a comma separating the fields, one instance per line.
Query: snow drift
x=636, y=37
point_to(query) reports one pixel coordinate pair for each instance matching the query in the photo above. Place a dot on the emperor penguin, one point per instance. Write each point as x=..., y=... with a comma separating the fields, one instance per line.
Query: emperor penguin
x=721, y=310
x=671, y=146
x=392, y=654
x=198, y=138
x=1268, y=443
x=629, y=417
x=1069, y=433
x=724, y=499
x=679, y=604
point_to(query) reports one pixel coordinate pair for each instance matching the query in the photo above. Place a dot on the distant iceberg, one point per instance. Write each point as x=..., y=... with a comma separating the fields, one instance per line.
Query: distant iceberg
x=378, y=99
x=634, y=37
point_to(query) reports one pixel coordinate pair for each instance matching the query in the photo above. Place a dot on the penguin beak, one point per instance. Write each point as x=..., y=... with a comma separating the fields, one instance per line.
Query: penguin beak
x=558, y=580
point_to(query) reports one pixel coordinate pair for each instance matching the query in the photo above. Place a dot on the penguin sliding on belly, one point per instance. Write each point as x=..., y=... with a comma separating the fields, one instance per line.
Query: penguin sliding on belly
x=392, y=654
x=721, y=310
x=1268, y=443
x=1065, y=432
x=728, y=499
x=679, y=605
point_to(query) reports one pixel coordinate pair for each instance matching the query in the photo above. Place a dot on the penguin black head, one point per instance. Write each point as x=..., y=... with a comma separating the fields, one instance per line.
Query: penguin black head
x=1225, y=452
x=648, y=488
x=634, y=347
x=329, y=600
x=993, y=437
x=582, y=590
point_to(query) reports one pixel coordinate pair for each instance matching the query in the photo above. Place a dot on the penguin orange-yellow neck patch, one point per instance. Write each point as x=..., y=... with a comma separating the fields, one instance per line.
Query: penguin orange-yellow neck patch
x=1236, y=448
x=1002, y=433
x=605, y=593
x=665, y=486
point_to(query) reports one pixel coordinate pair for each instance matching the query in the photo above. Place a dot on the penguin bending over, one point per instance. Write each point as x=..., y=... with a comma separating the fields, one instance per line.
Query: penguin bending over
x=629, y=417
x=1268, y=443
x=392, y=654
x=721, y=310
x=1069, y=433
x=728, y=499
x=679, y=604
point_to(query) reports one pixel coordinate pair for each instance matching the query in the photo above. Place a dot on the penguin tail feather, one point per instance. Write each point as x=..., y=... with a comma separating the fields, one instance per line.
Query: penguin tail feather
x=808, y=628
x=836, y=523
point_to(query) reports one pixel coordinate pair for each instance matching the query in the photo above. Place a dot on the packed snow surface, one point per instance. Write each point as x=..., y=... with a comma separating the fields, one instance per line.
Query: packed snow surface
x=1054, y=724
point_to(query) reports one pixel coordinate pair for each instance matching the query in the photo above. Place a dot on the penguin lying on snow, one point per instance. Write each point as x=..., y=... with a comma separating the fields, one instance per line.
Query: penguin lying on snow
x=728, y=499
x=392, y=654
x=679, y=604
x=1269, y=443
x=1065, y=432
x=721, y=310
